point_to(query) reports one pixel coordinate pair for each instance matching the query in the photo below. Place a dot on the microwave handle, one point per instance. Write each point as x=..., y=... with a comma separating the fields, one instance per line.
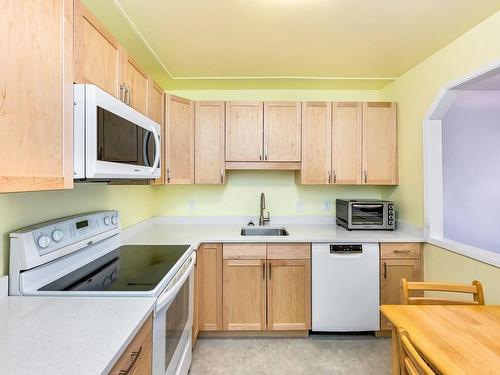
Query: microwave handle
x=157, y=150
x=168, y=295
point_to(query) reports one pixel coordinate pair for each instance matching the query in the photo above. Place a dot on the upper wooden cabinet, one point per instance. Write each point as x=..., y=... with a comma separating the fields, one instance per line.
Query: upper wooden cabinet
x=244, y=131
x=36, y=95
x=380, y=165
x=346, y=143
x=209, y=165
x=282, y=131
x=156, y=112
x=316, y=142
x=179, y=142
x=135, y=82
x=353, y=144
x=98, y=55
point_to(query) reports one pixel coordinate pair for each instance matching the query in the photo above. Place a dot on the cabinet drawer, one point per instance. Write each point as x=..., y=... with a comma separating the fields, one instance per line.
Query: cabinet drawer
x=288, y=251
x=398, y=250
x=244, y=251
x=136, y=352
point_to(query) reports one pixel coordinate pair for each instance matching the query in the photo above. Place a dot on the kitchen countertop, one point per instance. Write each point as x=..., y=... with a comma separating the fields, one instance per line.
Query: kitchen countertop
x=60, y=336
x=157, y=232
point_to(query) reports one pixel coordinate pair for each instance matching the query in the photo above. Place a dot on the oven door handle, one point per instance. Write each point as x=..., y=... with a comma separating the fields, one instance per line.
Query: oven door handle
x=169, y=294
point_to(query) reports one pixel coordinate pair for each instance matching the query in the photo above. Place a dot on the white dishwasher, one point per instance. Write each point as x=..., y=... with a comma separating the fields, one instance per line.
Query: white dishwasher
x=345, y=287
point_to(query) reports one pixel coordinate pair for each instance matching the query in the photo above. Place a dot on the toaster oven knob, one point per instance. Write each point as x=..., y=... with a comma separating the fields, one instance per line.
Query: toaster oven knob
x=43, y=242
x=57, y=235
x=114, y=220
x=107, y=220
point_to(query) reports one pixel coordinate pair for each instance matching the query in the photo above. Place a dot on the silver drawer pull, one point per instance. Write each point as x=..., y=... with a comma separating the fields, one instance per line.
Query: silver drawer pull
x=401, y=251
x=135, y=356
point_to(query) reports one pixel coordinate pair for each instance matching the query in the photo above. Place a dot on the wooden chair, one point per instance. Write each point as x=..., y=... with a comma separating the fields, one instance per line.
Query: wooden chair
x=411, y=362
x=476, y=289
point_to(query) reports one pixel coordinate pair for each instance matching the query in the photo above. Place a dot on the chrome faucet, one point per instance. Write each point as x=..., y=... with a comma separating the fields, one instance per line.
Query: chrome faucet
x=262, y=219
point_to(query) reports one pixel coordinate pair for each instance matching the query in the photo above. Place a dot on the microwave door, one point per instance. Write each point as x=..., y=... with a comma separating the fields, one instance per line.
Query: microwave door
x=367, y=214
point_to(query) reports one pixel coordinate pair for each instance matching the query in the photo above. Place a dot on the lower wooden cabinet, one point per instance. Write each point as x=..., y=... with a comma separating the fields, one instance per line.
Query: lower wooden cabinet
x=397, y=260
x=209, y=273
x=244, y=294
x=137, y=358
x=289, y=295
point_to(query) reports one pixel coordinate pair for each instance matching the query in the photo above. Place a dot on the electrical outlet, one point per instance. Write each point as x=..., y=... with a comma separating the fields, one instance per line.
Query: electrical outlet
x=300, y=207
x=327, y=205
x=190, y=205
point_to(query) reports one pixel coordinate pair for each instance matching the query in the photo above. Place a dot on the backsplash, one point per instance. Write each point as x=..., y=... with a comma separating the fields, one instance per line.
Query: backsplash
x=241, y=193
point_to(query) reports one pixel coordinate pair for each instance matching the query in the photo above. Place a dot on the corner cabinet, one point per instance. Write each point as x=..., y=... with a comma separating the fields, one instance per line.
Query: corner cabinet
x=179, y=140
x=397, y=260
x=36, y=122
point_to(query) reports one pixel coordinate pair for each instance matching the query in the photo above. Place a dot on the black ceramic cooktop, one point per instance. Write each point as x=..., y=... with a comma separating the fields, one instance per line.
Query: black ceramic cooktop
x=128, y=268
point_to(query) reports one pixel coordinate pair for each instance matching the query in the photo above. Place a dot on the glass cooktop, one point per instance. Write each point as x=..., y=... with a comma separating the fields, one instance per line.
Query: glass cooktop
x=128, y=268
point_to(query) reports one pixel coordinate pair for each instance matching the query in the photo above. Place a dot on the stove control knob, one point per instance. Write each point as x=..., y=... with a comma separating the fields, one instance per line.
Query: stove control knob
x=114, y=220
x=43, y=241
x=57, y=235
x=107, y=220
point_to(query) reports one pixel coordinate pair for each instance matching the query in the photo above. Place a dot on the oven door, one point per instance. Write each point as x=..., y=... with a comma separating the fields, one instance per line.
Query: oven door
x=120, y=142
x=173, y=323
x=367, y=216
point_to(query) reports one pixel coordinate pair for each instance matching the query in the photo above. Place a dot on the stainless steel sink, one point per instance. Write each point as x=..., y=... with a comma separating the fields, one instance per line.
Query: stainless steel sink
x=260, y=231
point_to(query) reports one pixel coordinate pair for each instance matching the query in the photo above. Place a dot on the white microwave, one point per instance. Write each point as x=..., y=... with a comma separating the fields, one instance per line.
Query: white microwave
x=112, y=141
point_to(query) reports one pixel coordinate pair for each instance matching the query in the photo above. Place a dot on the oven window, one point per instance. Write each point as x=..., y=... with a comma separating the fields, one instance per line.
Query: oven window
x=176, y=320
x=367, y=214
x=121, y=141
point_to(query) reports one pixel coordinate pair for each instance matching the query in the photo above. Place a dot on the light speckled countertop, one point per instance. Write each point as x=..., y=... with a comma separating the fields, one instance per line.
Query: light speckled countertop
x=158, y=231
x=60, y=336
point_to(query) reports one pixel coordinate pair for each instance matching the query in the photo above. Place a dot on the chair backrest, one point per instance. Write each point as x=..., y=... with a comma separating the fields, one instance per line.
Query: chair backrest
x=476, y=289
x=411, y=361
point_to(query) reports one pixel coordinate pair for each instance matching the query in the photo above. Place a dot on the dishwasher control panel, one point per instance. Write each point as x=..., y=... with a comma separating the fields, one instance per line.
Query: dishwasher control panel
x=346, y=249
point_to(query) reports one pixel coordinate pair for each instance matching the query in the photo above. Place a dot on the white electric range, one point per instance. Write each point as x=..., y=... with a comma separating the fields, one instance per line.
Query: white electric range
x=82, y=255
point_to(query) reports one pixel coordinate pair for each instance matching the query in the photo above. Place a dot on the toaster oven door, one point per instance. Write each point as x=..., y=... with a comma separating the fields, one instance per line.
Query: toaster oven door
x=367, y=215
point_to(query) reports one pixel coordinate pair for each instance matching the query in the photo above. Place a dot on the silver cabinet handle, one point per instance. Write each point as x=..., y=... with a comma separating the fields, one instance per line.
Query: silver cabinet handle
x=329, y=177
x=263, y=270
x=365, y=176
x=168, y=175
x=385, y=270
x=270, y=270
x=222, y=176
x=401, y=251
x=135, y=356
x=265, y=152
x=121, y=92
x=334, y=177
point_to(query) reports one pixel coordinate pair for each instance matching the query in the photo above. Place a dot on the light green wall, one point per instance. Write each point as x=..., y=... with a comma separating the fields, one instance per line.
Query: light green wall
x=23, y=209
x=241, y=194
x=415, y=91
x=444, y=265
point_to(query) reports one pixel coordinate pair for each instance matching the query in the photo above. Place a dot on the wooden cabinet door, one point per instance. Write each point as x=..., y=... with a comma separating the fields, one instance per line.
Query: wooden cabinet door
x=380, y=165
x=391, y=272
x=209, y=143
x=36, y=95
x=244, y=131
x=244, y=296
x=316, y=142
x=136, y=85
x=98, y=55
x=156, y=112
x=179, y=146
x=282, y=131
x=289, y=295
x=347, y=143
x=209, y=270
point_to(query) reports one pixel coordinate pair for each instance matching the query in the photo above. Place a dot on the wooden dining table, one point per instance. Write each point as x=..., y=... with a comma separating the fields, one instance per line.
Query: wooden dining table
x=454, y=339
